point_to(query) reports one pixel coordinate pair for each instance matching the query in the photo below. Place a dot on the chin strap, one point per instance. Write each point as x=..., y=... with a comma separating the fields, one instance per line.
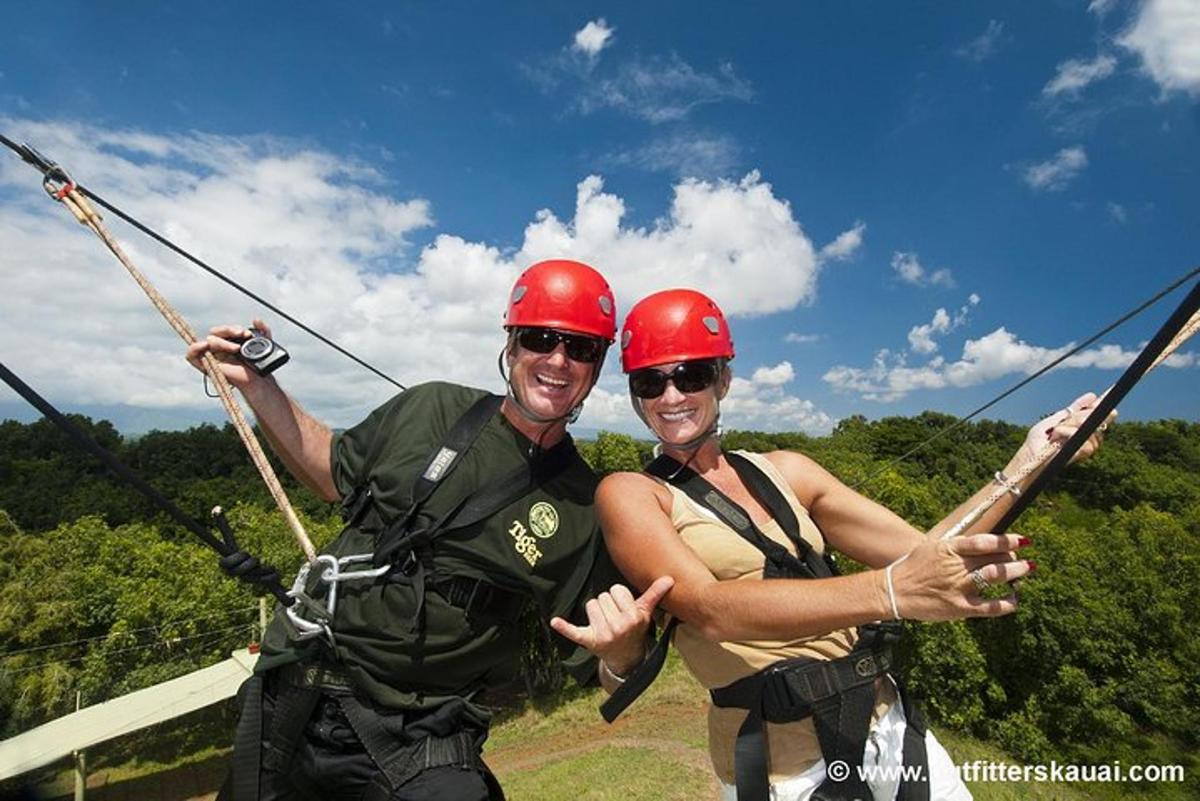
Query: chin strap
x=529, y=414
x=692, y=445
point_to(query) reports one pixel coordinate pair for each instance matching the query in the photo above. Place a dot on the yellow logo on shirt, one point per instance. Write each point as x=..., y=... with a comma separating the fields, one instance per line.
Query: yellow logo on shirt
x=543, y=519
x=525, y=545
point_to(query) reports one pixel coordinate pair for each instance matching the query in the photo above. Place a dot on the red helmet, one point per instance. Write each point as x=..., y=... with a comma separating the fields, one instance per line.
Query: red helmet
x=675, y=325
x=563, y=294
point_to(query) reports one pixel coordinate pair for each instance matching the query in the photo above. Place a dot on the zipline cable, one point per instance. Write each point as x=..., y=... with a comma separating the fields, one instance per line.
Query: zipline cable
x=1030, y=378
x=23, y=150
x=59, y=185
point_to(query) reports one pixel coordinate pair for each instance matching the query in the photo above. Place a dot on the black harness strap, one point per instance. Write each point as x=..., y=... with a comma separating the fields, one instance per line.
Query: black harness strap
x=914, y=753
x=400, y=762
x=243, y=781
x=440, y=464
x=780, y=562
x=226, y=547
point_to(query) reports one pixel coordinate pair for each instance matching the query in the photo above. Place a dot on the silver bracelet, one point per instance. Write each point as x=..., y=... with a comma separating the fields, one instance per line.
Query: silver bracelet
x=607, y=672
x=1007, y=483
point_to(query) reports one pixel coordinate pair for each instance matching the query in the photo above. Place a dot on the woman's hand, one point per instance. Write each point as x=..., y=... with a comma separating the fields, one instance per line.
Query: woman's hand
x=617, y=625
x=1061, y=426
x=944, y=579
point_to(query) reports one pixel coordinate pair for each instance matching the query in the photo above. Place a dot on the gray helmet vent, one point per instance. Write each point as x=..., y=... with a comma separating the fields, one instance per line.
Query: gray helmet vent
x=712, y=325
x=605, y=305
x=519, y=293
x=625, y=337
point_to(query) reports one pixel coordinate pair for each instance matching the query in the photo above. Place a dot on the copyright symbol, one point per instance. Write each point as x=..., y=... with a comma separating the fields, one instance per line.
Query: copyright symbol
x=838, y=770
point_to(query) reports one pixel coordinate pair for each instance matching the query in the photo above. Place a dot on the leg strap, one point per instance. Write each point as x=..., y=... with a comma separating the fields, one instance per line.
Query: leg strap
x=914, y=751
x=293, y=708
x=247, y=744
x=398, y=761
x=843, y=722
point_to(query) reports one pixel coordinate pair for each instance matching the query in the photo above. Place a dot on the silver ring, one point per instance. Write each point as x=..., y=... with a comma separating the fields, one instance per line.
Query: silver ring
x=978, y=580
x=1102, y=427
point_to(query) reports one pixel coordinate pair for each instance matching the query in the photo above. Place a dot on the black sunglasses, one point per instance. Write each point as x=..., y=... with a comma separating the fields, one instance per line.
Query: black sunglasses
x=580, y=347
x=688, y=377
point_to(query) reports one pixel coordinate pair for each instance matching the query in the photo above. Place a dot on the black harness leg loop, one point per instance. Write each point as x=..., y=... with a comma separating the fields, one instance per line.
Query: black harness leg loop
x=916, y=758
x=750, y=758
x=247, y=744
x=843, y=723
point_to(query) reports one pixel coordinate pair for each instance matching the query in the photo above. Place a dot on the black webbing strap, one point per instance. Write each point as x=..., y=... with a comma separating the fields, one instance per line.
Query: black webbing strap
x=294, y=706
x=393, y=541
x=458, y=441
x=401, y=761
x=244, y=769
x=481, y=601
x=81, y=438
x=915, y=757
x=642, y=676
x=779, y=561
x=1174, y=324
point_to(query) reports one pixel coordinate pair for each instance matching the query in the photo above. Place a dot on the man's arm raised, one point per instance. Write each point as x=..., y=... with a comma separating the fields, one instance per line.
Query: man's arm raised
x=299, y=439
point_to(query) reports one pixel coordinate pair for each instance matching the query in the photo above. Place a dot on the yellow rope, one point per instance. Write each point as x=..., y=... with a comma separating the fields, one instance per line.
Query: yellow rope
x=85, y=214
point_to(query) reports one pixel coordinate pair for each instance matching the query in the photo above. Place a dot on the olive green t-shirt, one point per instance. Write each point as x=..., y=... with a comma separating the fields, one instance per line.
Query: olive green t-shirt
x=546, y=546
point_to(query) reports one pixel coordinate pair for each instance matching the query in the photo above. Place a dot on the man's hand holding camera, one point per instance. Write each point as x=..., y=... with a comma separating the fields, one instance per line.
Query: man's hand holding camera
x=245, y=354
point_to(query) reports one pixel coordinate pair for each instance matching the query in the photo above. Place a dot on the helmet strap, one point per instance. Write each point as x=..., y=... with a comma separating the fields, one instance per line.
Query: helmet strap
x=693, y=444
x=529, y=414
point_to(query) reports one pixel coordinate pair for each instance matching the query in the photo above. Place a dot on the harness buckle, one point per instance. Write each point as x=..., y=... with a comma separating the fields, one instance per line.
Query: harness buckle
x=410, y=565
x=866, y=666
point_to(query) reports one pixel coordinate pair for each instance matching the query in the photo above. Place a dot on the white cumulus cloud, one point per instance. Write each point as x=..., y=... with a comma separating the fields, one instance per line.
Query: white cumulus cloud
x=324, y=238
x=921, y=337
x=760, y=402
x=776, y=376
x=988, y=358
x=1166, y=36
x=1054, y=174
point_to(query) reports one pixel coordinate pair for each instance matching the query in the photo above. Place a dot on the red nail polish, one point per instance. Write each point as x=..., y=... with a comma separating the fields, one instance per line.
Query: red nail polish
x=1023, y=541
x=1032, y=565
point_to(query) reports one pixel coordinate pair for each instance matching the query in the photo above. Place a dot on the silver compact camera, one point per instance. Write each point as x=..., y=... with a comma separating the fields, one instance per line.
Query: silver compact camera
x=262, y=355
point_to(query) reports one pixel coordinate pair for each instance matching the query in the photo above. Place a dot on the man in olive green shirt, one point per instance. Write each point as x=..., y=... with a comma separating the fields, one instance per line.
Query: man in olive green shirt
x=390, y=710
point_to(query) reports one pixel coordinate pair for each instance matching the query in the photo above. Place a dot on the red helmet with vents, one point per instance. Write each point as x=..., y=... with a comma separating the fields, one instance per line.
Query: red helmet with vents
x=675, y=325
x=563, y=294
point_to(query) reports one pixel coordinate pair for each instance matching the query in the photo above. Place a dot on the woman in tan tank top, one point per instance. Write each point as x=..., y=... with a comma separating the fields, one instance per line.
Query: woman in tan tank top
x=676, y=348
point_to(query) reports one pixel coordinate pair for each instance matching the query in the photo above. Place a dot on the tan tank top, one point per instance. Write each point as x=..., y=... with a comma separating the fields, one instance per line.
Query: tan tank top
x=793, y=746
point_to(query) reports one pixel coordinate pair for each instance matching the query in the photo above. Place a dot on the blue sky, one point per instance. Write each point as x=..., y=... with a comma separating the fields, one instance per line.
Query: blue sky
x=904, y=206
